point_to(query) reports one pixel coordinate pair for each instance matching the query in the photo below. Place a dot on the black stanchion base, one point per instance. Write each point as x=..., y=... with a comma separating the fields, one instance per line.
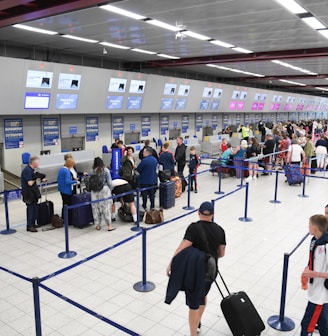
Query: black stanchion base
x=188, y=208
x=275, y=201
x=6, y=232
x=136, y=228
x=67, y=255
x=219, y=192
x=144, y=286
x=286, y=325
x=245, y=219
x=301, y=195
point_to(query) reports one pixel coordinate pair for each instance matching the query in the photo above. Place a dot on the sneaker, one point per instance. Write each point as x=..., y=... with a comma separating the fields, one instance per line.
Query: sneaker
x=248, y=178
x=31, y=229
x=254, y=177
x=36, y=226
x=199, y=326
x=196, y=191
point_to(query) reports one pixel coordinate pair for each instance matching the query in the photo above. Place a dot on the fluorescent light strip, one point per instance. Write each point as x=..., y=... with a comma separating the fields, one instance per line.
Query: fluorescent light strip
x=235, y=70
x=82, y=39
x=144, y=51
x=313, y=22
x=324, y=32
x=294, y=67
x=291, y=82
x=123, y=12
x=292, y=6
x=168, y=56
x=222, y=44
x=320, y=88
x=112, y=45
x=242, y=50
x=36, y=30
x=195, y=35
x=163, y=25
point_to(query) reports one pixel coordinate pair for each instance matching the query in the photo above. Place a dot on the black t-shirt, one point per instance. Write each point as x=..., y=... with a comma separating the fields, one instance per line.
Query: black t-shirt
x=214, y=233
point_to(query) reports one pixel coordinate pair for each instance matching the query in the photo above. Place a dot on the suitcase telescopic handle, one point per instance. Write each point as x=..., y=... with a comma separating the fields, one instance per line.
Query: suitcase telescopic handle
x=224, y=283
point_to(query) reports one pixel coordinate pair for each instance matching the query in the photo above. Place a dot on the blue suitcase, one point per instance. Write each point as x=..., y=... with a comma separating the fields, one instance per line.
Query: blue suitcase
x=293, y=174
x=82, y=216
x=167, y=195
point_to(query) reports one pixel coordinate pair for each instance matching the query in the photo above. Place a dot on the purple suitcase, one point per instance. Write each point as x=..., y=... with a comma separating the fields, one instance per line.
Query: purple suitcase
x=82, y=216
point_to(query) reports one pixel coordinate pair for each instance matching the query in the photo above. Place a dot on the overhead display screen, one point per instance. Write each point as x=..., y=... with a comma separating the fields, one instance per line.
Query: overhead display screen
x=66, y=101
x=114, y=102
x=39, y=79
x=217, y=93
x=169, y=89
x=117, y=85
x=69, y=81
x=207, y=92
x=137, y=86
x=37, y=100
x=183, y=90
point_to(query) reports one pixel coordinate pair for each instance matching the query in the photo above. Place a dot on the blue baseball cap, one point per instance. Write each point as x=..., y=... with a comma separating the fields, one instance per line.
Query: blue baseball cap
x=206, y=208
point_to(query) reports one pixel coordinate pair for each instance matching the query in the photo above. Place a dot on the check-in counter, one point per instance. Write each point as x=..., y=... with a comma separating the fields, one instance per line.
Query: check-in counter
x=212, y=144
x=50, y=164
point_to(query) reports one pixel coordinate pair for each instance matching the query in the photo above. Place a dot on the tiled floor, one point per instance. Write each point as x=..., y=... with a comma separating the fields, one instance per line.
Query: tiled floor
x=104, y=284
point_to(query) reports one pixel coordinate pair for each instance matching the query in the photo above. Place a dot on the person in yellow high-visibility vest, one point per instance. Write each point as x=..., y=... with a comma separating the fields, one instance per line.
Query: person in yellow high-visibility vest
x=244, y=132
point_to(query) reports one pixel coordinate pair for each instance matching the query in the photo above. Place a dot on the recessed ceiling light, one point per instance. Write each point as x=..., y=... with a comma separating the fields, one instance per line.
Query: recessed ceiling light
x=291, y=82
x=292, y=6
x=36, y=30
x=123, y=12
x=324, y=32
x=222, y=44
x=163, y=25
x=168, y=56
x=313, y=22
x=195, y=35
x=112, y=45
x=80, y=38
x=242, y=50
x=143, y=51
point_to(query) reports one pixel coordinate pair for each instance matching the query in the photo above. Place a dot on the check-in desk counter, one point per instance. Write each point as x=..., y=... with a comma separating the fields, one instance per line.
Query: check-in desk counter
x=235, y=139
x=212, y=144
x=188, y=142
x=50, y=164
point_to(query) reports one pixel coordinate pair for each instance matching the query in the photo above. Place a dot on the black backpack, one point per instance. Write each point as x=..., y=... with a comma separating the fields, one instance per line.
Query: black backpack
x=95, y=182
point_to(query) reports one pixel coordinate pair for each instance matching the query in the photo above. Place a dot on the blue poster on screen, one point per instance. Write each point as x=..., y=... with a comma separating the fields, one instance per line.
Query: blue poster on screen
x=114, y=102
x=134, y=103
x=50, y=130
x=91, y=129
x=204, y=104
x=13, y=131
x=180, y=103
x=167, y=104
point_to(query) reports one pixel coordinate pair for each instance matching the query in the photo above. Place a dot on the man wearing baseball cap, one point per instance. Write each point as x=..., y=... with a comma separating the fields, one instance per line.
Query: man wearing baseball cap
x=203, y=236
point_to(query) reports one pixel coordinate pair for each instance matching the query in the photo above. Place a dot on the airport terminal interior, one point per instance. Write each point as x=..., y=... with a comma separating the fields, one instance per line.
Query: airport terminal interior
x=76, y=75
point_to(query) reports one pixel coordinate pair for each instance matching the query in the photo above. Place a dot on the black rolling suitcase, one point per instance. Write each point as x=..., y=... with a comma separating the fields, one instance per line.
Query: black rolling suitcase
x=81, y=216
x=167, y=195
x=45, y=210
x=240, y=313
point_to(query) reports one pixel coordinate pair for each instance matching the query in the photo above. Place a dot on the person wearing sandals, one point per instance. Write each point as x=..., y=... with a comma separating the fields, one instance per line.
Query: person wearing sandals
x=102, y=210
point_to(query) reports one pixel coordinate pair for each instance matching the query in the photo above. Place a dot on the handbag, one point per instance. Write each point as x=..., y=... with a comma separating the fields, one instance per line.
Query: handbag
x=57, y=221
x=154, y=216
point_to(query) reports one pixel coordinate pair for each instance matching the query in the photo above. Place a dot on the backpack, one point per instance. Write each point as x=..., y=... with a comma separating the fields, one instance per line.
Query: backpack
x=95, y=182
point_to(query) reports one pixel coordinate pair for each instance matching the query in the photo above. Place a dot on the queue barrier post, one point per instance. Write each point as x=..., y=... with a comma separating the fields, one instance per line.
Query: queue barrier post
x=219, y=192
x=303, y=188
x=67, y=253
x=245, y=218
x=137, y=227
x=276, y=189
x=188, y=206
x=36, y=302
x=281, y=322
x=144, y=285
x=8, y=230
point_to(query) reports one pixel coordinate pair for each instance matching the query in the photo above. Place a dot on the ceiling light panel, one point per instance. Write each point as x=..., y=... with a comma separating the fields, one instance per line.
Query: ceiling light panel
x=163, y=25
x=313, y=22
x=292, y=6
x=144, y=51
x=112, y=45
x=324, y=32
x=82, y=39
x=222, y=44
x=242, y=50
x=291, y=82
x=35, y=30
x=123, y=12
x=195, y=35
x=168, y=56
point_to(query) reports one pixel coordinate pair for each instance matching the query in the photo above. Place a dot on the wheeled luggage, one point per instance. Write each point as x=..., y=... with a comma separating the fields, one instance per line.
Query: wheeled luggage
x=293, y=174
x=81, y=216
x=45, y=210
x=240, y=313
x=215, y=166
x=167, y=194
x=178, y=185
x=124, y=213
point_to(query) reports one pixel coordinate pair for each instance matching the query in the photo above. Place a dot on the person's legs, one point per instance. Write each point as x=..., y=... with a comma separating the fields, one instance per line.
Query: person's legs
x=29, y=215
x=144, y=194
x=67, y=200
x=151, y=193
x=310, y=318
x=193, y=321
x=323, y=320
